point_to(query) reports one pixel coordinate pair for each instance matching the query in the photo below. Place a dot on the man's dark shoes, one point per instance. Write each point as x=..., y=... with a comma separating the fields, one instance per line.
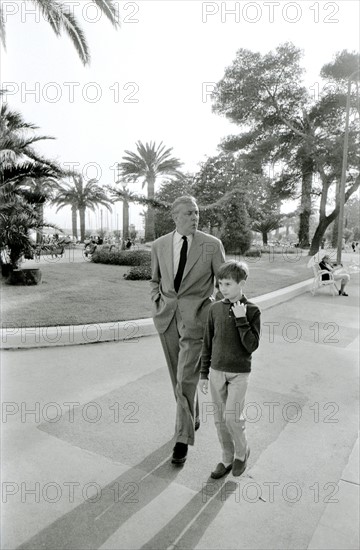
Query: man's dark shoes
x=220, y=471
x=179, y=453
x=342, y=293
x=239, y=466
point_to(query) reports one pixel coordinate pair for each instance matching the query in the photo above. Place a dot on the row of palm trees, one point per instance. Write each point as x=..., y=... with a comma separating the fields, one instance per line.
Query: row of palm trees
x=149, y=162
x=146, y=165
x=28, y=181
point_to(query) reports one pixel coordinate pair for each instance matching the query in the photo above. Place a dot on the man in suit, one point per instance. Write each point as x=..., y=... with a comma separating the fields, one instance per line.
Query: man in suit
x=184, y=266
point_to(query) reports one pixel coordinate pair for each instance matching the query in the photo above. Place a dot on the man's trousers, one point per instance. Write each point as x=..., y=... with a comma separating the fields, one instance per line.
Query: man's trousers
x=182, y=353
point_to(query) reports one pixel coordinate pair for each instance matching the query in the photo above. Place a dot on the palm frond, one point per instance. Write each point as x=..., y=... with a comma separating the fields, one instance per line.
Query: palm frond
x=59, y=17
x=109, y=9
x=78, y=37
x=2, y=29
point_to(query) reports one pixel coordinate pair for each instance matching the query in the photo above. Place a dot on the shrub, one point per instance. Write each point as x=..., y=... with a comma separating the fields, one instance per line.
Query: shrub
x=253, y=253
x=139, y=272
x=122, y=257
x=139, y=260
x=235, y=234
x=280, y=250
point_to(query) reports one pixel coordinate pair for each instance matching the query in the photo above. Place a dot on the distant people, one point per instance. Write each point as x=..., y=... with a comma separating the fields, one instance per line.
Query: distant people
x=232, y=334
x=100, y=240
x=128, y=244
x=353, y=246
x=338, y=272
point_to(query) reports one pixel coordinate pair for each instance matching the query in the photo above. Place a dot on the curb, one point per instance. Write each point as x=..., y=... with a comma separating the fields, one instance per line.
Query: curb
x=92, y=333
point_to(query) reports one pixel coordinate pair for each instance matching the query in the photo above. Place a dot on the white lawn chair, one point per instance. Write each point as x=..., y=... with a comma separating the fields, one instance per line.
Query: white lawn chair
x=318, y=281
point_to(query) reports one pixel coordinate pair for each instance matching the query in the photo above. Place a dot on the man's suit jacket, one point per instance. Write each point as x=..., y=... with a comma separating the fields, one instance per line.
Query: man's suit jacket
x=205, y=256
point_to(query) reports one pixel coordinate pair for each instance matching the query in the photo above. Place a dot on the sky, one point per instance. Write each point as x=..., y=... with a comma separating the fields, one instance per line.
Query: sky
x=151, y=79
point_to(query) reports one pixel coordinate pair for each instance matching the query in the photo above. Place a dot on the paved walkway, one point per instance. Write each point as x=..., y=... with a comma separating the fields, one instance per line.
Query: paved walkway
x=87, y=436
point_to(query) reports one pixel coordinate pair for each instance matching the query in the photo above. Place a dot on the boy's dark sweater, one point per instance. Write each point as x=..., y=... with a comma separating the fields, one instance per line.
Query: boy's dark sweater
x=229, y=341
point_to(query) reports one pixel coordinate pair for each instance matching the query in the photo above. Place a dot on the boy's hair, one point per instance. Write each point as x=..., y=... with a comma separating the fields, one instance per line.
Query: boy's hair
x=238, y=271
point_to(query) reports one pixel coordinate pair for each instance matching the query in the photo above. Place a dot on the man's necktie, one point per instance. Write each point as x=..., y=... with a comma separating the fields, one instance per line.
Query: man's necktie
x=182, y=262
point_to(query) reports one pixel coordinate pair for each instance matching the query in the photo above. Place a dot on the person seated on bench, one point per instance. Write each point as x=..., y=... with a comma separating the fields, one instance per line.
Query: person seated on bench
x=337, y=271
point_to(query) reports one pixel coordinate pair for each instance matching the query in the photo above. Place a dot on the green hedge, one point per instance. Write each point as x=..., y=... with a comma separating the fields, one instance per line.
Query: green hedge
x=253, y=253
x=281, y=250
x=139, y=260
x=122, y=257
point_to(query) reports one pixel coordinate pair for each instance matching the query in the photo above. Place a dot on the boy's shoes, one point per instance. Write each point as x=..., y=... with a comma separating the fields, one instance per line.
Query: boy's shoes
x=342, y=293
x=239, y=466
x=197, y=424
x=220, y=471
x=179, y=453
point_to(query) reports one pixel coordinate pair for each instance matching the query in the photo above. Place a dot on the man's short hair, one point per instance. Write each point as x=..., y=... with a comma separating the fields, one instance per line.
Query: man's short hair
x=184, y=199
x=237, y=271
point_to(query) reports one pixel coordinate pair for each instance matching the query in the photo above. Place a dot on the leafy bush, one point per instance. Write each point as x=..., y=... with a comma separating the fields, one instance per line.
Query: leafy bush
x=122, y=257
x=281, y=250
x=253, y=253
x=139, y=260
x=139, y=272
x=235, y=234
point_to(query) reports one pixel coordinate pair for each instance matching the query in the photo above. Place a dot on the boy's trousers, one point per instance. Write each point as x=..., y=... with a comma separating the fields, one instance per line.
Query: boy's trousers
x=228, y=392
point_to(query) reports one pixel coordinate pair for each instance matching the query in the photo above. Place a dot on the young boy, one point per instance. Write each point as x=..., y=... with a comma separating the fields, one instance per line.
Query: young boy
x=231, y=335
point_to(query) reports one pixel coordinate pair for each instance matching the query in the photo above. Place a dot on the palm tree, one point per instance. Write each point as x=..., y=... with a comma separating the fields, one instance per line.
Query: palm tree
x=19, y=165
x=60, y=18
x=16, y=141
x=79, y=197
x=125, y=201
x=41, y=190
x=66, y=196
x=149, y=162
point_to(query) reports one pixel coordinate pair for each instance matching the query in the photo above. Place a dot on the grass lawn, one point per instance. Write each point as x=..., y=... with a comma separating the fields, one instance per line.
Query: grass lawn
x=75, y=291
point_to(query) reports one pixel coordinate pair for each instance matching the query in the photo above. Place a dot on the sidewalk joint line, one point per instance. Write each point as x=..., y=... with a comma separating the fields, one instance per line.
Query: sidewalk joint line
x=348, y=481
x=138, y=481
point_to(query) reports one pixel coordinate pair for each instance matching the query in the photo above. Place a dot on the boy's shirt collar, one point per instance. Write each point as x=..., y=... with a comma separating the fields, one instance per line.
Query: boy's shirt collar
x=243, y=300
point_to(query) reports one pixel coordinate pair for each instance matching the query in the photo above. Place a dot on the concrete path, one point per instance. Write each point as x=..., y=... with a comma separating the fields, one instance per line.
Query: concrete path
x=87, y=435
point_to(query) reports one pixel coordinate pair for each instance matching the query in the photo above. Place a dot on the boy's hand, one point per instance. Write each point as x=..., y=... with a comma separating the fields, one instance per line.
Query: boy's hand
x=239, y=309
x=204, y=386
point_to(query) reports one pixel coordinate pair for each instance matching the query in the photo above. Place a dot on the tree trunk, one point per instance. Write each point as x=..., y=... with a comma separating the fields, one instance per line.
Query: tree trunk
x=125, y=219
x=334, y=234
x=39, y=236
x=305, y=207
x=150, y=217
x=325, y=221
x=74, y=221
x=319, y=234
x=264, y=237
x=82, y=224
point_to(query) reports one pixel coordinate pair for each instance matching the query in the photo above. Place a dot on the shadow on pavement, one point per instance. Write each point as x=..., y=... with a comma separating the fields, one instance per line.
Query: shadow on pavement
x=91, y=523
